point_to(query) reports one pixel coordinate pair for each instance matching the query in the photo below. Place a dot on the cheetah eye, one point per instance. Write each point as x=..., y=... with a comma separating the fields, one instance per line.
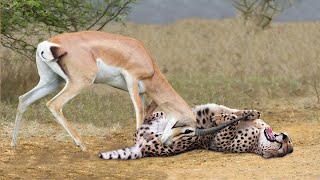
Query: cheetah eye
x=188, y=131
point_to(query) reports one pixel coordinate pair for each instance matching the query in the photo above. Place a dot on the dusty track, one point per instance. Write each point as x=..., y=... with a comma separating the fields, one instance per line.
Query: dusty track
x=43, y=157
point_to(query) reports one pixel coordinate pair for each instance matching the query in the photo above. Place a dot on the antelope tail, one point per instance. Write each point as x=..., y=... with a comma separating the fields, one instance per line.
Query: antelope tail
x=48, y=51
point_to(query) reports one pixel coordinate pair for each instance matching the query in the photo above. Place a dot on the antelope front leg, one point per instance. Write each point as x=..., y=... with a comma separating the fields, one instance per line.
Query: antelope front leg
x=133, y=88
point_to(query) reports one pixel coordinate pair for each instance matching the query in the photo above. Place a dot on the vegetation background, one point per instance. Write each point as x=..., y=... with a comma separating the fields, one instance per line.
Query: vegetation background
x=219, y=61
x=276, y=71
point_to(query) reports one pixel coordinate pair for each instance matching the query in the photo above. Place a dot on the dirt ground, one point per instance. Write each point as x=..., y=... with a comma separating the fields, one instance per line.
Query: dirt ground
x=46, y=157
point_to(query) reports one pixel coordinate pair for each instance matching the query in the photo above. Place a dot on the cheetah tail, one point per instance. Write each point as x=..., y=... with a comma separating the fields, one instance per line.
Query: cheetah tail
x=133, y=152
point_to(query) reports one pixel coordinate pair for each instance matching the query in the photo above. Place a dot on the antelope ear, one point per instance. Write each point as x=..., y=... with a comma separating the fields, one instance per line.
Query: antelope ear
x=180, y=123
x=57, y=52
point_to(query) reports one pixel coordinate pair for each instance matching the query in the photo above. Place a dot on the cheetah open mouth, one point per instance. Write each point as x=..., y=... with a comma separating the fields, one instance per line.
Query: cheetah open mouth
x=269, y=134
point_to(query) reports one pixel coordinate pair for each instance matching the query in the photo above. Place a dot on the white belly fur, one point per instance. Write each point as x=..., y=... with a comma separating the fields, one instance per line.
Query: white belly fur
x=114, y=76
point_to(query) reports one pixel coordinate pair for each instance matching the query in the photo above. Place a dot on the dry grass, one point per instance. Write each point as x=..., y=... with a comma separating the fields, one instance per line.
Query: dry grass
x=204, y=60
x=228, y=59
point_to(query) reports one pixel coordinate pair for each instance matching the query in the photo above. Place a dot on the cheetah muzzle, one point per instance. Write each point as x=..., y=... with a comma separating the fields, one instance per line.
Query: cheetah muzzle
x=249, y=135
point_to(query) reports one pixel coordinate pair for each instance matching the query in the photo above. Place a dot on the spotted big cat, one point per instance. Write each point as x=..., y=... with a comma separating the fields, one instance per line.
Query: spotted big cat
x=249, y=135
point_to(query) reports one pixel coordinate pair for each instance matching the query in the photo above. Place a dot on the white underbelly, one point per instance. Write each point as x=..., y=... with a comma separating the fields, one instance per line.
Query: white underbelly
x=114, y=76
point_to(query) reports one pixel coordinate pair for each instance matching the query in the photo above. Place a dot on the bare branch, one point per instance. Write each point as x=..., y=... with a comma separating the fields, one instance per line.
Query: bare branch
x=103, y=14
x=113, y=17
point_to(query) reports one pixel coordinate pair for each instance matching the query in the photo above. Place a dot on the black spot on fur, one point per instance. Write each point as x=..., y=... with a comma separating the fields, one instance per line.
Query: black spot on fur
x=207, y=110
x=199, y=113
x=129, y=157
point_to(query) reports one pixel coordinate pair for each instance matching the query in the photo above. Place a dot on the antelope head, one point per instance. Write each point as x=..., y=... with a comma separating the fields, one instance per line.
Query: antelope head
x=187, y=127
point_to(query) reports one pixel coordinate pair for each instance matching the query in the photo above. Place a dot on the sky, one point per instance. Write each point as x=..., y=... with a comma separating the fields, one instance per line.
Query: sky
x=168, y=11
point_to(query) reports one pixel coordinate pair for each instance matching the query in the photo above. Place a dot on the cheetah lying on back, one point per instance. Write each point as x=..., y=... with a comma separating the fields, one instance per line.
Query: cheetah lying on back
x=252, y=135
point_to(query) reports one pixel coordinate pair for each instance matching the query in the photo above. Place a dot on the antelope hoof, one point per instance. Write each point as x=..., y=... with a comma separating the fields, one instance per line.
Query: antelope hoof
x=82, y=147
x=13, y=144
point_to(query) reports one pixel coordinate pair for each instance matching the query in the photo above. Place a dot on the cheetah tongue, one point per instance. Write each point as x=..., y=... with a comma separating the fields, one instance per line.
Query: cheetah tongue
x=269, y=134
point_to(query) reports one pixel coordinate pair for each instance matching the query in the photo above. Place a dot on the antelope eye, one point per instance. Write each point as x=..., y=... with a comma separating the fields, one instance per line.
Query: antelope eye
x=188, y=131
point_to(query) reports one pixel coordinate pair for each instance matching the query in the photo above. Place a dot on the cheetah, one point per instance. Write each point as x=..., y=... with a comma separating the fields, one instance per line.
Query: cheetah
x=250, y=135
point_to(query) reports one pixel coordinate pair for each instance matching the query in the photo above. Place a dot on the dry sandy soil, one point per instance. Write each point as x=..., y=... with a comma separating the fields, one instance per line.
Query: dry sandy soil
x=47, y=156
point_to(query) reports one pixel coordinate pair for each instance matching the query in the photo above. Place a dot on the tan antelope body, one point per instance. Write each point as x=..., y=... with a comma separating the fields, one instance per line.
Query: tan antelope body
x=83, y=58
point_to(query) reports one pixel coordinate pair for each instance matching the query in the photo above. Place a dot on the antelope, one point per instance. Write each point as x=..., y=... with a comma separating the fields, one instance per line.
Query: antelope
x=82, y=58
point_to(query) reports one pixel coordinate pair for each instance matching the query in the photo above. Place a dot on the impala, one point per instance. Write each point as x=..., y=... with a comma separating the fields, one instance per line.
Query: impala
x=83, y=58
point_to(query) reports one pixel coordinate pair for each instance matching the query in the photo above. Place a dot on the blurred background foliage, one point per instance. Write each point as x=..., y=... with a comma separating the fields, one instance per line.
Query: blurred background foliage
x=26, y=23
x=261, y=12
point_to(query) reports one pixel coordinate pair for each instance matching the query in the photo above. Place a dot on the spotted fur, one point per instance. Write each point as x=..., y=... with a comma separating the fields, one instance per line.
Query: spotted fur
x=251, y=135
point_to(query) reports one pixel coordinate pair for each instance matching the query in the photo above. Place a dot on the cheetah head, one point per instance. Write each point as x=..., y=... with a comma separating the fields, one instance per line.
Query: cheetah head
x=275, y=144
